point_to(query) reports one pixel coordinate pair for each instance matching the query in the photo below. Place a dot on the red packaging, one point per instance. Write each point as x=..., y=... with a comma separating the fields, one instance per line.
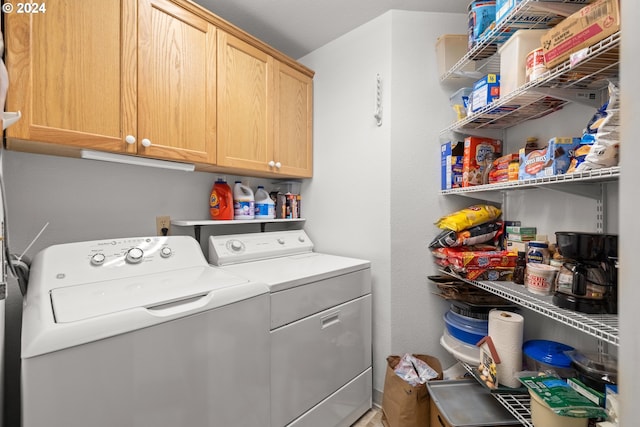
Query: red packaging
x=478, y=154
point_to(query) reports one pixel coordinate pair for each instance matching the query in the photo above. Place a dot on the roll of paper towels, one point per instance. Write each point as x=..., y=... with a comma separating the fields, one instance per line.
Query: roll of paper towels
x=506, y=330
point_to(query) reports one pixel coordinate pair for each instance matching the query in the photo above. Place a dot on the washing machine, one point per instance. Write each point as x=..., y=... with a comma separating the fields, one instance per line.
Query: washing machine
x=142, y=332
x=320, y=325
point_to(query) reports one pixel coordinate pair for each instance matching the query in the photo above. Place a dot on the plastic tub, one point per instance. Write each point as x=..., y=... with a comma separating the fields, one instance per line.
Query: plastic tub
x=513, y=58
x=450, y=48
x=543, y=416
x=469, y=332
x=540, y=278
x=595, y=370
x=460, y=350
x=542, y=355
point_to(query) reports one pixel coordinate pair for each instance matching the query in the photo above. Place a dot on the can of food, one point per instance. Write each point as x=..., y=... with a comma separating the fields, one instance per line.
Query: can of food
x=534, y=65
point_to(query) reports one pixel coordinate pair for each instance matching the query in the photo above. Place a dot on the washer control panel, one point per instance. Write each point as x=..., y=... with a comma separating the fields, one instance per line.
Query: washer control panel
x=84, y=262
x=235, y=248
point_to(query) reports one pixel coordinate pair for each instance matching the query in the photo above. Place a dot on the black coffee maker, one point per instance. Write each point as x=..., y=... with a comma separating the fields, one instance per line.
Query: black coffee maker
x=588, y=279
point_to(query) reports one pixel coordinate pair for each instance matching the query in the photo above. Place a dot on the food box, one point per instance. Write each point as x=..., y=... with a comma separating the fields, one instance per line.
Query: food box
x=451, y=155
x=479, y=153
x=450, y=48
x=527, y=20
x=462, y=257
x=584, y=28
x=485, y=91
x=554, y=159
x=513, y=56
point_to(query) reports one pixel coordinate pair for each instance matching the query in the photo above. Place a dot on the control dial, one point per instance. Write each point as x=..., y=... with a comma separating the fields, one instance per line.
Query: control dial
x=98, y=259
x=235, y=246
x=134, y=255
x=166, y=252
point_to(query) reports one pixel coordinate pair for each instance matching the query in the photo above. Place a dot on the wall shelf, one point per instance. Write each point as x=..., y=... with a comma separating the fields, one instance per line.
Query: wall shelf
x=517, y=404
x=601, y=326
x=197, y=224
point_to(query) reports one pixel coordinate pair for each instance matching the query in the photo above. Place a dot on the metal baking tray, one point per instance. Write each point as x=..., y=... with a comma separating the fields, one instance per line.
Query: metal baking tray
x=465, y=403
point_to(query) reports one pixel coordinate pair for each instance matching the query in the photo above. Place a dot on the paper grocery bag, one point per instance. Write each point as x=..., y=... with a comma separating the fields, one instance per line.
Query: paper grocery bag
x=404, y=405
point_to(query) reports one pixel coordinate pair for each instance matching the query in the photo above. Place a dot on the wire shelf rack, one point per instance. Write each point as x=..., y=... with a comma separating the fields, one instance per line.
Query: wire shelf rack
x=595, y=175
x=601, y=326
x=517, y=404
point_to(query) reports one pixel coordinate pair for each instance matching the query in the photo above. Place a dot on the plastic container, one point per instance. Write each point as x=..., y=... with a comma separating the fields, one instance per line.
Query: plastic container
x=513, y=59
x=542, y=355
x=543, y=416
x=595, y=370
x=221, y=201
x=243, y=202
x=467, y=331
x=540, y=278
x=538, y=252
x=459, y=101
x=265, y=206
x=450, y=48
x=460, y=350
x=482, y=13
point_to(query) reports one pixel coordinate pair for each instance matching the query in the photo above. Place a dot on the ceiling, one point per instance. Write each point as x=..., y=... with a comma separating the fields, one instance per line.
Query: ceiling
x=297, y=27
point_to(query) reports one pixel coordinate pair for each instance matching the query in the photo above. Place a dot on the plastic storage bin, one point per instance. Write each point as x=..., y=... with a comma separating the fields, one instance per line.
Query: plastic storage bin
x=460, y=101
x=450, y=48
x=541, y=355
x=513, y=55
x=467, y=330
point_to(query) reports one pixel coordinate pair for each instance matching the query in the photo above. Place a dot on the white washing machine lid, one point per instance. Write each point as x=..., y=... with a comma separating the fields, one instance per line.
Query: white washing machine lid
x=295, y=270
x=69, y=316
x=80, y=302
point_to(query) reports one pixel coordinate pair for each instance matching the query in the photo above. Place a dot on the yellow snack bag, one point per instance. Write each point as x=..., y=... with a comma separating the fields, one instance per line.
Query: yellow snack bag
x=468, y=217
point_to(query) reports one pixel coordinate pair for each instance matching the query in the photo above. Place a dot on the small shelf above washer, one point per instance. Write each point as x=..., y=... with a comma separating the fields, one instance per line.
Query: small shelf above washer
x=197, y=224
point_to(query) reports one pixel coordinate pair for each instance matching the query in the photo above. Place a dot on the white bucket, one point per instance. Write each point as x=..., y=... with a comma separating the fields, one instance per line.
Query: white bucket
x=540, y=278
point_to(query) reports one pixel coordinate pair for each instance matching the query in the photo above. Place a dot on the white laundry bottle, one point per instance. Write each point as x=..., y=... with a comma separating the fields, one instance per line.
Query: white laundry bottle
x=243, y=202
x=265, y=206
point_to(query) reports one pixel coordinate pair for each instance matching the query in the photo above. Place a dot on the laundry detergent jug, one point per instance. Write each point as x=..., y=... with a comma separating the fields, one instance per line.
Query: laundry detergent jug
x=221, y=200
x=265, y=206
x=243, y=202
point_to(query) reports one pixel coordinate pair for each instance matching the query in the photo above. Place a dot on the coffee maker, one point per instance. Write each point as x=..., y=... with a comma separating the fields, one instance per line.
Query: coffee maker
x=588, y=279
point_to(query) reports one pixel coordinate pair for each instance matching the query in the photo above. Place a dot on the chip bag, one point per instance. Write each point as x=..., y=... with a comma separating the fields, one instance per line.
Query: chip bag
x=468, y=217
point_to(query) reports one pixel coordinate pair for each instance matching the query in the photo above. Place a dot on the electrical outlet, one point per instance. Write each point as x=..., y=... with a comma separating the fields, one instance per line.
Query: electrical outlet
x=162, y=223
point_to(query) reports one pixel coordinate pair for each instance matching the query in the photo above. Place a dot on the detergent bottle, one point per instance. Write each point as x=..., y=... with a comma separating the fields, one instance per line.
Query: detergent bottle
x=243, y=202
x=265, y=206
x=221, y=200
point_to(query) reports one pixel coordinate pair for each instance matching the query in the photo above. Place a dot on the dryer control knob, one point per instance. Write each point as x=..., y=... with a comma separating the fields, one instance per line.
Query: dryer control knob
x=301, y=239
x=166, y=252
x=235, y=245
x=98, y=259
x=281, y=241
x=134, y=255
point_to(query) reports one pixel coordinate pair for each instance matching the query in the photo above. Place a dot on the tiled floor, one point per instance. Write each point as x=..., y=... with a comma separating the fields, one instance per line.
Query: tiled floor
x=370, y=419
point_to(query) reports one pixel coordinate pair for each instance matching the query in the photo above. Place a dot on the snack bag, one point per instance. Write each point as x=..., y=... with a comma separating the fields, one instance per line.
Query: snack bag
x=468, y=217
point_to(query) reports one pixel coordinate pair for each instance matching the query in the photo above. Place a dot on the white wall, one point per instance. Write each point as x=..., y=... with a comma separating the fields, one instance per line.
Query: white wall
x=374, y=191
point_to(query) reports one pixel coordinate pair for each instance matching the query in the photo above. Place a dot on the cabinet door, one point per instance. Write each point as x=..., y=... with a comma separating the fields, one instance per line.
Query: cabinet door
x=245, y=90
x=176, y=83
x=74, y=84
x=293, y=147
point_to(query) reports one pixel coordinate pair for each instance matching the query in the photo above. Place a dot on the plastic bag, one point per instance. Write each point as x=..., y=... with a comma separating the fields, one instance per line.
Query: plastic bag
x=468, y=217
x=472, y=236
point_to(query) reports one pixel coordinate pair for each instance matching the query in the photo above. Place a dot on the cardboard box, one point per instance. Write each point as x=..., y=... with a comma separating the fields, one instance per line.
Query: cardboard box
x=478, y=154
x=451, y=156
x=485, y=91
x=584, y=28
x=554, y=159
x=526, y=20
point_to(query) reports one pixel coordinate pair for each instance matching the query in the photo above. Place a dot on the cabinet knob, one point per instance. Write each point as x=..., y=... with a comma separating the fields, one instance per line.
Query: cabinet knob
x=272, y=164
x=130, y=139
x=146, y=142
x=278, y=165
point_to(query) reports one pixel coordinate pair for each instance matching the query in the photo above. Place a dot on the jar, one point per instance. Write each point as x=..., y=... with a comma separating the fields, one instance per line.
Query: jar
x=518, y=271
x=538, y=252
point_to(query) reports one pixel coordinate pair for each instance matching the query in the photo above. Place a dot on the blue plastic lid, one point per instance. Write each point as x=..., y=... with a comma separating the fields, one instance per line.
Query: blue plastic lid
x=549, y=352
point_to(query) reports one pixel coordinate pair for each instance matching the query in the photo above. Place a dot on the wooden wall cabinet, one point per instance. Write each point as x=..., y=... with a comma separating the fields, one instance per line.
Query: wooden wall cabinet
x=163, y=79
x=88, y=74
x=264, y=111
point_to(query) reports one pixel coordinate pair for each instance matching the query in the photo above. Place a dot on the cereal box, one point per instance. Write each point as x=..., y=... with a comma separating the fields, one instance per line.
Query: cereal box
x=485, y=91
x=451, y=154
x=478, y=154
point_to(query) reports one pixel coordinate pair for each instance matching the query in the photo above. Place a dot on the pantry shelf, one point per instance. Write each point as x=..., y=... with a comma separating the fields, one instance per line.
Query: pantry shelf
x=568, y=179
x=578, y=81
x=517, y=404
x=528, y=14
x=601, y=326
